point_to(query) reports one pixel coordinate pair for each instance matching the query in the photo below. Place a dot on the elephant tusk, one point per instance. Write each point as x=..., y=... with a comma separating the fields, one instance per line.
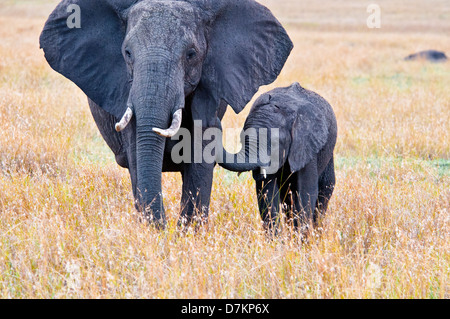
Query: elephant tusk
x=125, y=120
x=174, y=128
x=264, y=172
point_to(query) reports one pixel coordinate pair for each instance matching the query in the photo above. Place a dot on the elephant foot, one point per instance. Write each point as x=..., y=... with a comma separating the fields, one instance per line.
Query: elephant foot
x=151, y=217
x=193, y=219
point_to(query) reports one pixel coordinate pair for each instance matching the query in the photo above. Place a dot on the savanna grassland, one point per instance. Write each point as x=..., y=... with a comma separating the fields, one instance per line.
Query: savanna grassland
x=68, y=226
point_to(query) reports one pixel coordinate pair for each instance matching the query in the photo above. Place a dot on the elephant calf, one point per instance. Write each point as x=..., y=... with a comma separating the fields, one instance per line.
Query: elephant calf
x=302, y=179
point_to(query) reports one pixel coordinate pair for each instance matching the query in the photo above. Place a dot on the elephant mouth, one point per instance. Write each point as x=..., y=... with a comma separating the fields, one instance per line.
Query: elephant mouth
x=177, y=119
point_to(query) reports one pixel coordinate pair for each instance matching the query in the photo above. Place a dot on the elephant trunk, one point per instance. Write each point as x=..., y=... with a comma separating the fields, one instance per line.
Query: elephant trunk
x=247, y=159
x=154, y=105
x=149, y=157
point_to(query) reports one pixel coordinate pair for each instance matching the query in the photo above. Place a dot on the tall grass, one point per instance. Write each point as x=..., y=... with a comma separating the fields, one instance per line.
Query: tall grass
x=68, y=227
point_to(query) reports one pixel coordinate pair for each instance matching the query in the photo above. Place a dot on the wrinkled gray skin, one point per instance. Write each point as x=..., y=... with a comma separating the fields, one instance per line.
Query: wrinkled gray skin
x=159, y=57
x=305, y=178
x=429, y=55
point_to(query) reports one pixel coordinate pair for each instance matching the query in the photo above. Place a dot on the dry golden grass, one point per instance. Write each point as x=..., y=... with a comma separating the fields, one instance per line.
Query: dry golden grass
x=68, y=228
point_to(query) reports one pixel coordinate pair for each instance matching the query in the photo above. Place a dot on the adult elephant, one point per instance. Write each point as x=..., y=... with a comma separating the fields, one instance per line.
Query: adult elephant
x=151, y=63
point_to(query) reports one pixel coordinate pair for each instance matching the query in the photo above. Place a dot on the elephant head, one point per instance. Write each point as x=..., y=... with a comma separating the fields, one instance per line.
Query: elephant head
x=141, y=60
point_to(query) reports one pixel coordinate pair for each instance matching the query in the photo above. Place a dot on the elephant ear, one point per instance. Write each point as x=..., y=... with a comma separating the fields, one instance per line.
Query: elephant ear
x=309, y=135
x=90, y=56
x=247, y=48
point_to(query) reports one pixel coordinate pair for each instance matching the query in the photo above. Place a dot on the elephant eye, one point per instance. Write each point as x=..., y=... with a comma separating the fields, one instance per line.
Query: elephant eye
x=128, y=54
x=191, y=53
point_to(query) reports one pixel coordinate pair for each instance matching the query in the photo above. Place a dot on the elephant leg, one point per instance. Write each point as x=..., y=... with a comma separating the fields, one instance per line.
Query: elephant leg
x=106, y=125
x=307, y=193
x=197, y=180
x=196, y=192
x=327, y=181
x=288, y=196
x=268, y=194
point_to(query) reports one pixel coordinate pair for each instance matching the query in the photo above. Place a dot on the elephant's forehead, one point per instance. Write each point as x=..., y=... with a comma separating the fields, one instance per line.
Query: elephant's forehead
x=161, y=20
x=163, y=10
